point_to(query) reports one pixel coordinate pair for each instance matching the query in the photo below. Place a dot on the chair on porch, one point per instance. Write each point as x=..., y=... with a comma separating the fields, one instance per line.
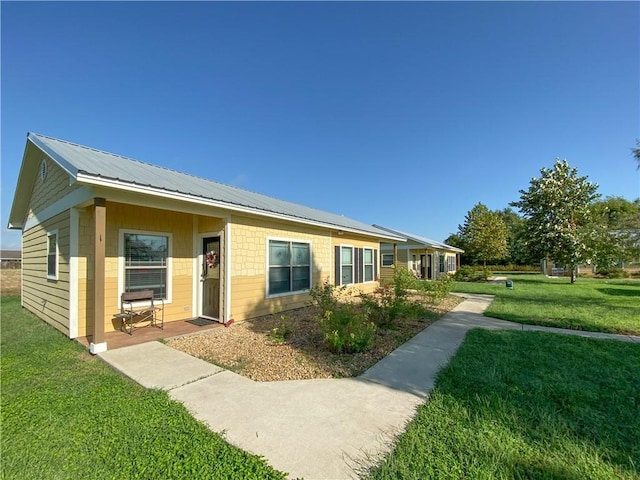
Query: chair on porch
x=141, y=306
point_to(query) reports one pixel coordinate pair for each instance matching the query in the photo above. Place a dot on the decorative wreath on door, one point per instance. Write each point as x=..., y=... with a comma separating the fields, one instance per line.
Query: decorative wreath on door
x=212, y=259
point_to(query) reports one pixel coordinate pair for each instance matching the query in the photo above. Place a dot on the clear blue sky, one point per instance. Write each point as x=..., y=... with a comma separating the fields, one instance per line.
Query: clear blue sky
x=401, y=114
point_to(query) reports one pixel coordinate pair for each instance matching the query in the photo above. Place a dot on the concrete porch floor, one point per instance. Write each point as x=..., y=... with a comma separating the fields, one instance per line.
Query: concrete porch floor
x=148, y=333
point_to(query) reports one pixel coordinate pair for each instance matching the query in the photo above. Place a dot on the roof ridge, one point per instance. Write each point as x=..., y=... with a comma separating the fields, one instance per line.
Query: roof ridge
x=149, y=164
x=178, y=172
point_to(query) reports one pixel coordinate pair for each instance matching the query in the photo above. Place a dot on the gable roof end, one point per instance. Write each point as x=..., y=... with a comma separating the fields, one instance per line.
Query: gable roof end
x=91, y=166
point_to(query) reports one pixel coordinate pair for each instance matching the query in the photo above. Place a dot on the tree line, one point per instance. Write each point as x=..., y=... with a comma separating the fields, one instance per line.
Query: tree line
x=561, y=217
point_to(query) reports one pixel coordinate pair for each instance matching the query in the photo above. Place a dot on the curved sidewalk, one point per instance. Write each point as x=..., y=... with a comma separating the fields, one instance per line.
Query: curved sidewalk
x=316, y=429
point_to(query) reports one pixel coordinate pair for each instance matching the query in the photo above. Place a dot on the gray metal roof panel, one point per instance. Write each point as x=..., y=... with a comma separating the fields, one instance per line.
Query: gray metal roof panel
x=78, y=159
x=422, y=240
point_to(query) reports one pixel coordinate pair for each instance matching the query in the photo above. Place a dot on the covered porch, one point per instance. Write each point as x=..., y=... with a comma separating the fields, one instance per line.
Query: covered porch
x=145, y=334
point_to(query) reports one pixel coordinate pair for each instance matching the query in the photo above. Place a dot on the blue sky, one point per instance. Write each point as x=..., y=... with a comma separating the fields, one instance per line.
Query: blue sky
x=401, y=114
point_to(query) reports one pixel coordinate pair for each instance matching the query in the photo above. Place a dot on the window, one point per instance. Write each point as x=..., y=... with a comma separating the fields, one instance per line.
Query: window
x=355, y=265
x=441, y=263
x=52, y=255
x=387, y=259
x=289, y=267
x=146, y=263
x=451, y=263
x=368, y=265
x=346, y=262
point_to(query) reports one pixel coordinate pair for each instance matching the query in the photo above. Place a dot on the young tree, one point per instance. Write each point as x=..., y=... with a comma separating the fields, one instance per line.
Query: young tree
x=557, y=209
x=485, y=234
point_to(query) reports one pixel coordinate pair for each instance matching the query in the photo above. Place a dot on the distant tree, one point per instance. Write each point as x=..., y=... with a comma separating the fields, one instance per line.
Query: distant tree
x=519, y=251
x=619, y=230
x=485, y=234
x=557, y=210
x=636, y=153
x=455, y=240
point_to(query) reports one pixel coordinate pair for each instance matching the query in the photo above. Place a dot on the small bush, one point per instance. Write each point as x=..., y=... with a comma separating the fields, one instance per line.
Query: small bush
x=346, y=330
x=612, y=272
x=403, y=281
x=382, y=307
x=468, y=273
x=442, y=288
x=280, y=334
x=327, y=296
x=345, y=326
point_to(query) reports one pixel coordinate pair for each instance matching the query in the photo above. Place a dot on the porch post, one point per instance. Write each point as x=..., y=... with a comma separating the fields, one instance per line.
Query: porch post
x=395, y=255
x=99, y=235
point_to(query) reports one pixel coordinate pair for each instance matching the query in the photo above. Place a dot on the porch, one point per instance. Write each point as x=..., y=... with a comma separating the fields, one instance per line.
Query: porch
x=148, y=333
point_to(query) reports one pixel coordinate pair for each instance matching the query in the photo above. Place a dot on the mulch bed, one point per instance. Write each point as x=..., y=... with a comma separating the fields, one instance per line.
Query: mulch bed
x=248, y=349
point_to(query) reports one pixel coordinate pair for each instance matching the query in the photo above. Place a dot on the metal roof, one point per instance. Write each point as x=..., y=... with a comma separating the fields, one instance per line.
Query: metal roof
x=90, y=165
x=427, y=242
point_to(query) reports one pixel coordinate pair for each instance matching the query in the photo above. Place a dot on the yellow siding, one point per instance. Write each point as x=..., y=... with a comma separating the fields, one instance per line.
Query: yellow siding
x=249, y=237
x=209, y=224
x=85, y=262
x=48, y=299
x=179, y=226
x=357, y=241
x=54, y=187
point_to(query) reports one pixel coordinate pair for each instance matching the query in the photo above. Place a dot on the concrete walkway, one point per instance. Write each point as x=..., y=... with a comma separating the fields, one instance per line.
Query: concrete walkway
x=316, y=429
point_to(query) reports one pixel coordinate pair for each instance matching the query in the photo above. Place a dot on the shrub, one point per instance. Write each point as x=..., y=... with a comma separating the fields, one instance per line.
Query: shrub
x=442, y=288
x=382, y=307
x=468, y=273
x=403, y=281
x=612, y=272
x=326, y=296
x=346, y=329
x=280, y=334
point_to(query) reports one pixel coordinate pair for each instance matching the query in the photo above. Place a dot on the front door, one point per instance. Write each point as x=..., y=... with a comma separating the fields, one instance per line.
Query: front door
x=211, y=277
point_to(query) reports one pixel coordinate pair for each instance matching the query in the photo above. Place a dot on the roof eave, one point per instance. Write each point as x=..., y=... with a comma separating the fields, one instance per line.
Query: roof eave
x=85, y=178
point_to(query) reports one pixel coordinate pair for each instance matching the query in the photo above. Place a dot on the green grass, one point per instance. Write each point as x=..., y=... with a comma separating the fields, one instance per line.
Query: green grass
x=66, y=414
x=589, y=304
x=527, y=405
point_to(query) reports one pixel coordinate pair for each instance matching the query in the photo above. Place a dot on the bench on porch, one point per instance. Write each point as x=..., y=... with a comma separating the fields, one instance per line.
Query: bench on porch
x=140, y=306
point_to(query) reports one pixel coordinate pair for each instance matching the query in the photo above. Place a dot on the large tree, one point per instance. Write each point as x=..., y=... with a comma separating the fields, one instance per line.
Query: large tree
x=619, y=234
x=519, y=252
x=557, y=210
x=484, y=234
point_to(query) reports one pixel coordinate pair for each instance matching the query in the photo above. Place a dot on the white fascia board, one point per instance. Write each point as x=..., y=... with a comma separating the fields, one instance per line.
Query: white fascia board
x=75, y=198
x=60, y=160
x=158, y=192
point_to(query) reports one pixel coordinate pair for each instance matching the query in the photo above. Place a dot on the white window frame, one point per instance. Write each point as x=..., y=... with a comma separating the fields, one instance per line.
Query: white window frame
x=56, y=264
x=353, y=269
x=290, y=241
x=121, y=262
x=365, y=264
x=382, y=260
x=451, y=263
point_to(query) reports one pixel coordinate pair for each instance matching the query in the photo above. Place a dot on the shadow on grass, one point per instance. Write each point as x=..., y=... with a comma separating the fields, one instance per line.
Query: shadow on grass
x=620, y=292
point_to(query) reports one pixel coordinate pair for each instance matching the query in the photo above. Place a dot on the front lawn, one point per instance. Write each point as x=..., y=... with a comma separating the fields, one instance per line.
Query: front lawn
x=589, y=304
x=527, y=405
x=66, y=414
